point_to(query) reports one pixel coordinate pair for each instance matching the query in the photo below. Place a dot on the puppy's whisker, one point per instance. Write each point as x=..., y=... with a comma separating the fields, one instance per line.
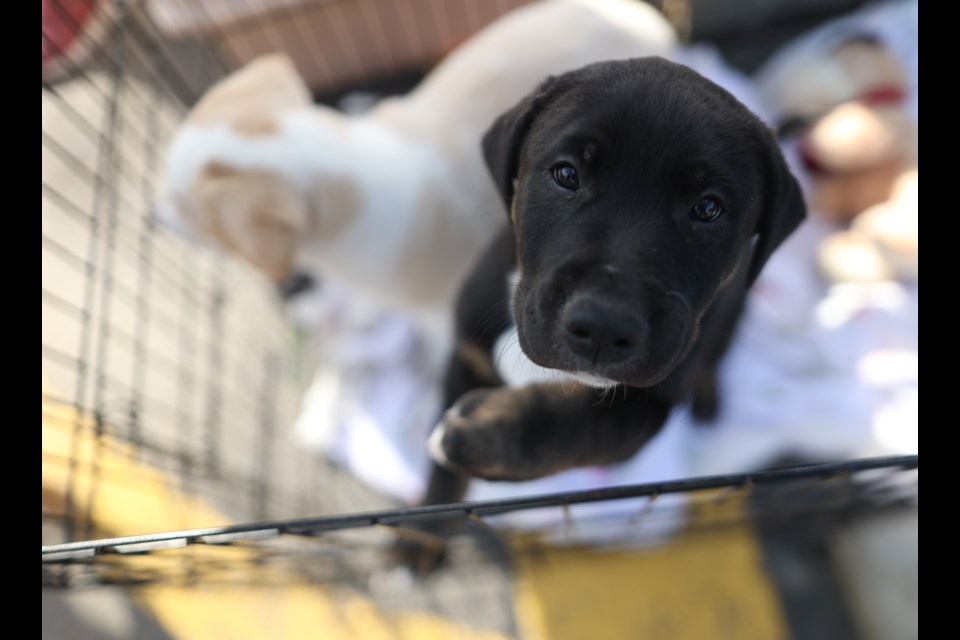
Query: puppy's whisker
x=480, y=330
x=498, y=361
x=489, y=311
x=517, y=362
x=506, y=347
x=518, y=357
x=603, y=396
x=563, y=386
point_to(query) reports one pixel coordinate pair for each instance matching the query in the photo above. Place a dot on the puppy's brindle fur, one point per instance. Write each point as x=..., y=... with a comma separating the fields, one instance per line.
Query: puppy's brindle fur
x=621, y=279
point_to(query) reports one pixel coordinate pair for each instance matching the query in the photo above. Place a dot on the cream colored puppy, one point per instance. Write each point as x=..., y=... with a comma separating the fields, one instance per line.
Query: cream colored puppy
x=396, y=203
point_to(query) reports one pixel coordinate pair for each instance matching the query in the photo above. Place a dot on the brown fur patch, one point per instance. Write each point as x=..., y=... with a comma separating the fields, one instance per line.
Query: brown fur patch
x=261, y=217
x=215, y=170
x=256, y=125
x=478, y=360
x=253, y=213
x=335, y=203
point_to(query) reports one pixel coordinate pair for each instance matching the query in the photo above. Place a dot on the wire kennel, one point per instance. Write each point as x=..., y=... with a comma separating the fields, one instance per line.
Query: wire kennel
x=169, y=373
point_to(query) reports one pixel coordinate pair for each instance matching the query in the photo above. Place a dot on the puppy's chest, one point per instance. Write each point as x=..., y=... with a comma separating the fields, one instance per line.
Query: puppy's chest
x=515, y=368
x=509, y=360
x=512, y=364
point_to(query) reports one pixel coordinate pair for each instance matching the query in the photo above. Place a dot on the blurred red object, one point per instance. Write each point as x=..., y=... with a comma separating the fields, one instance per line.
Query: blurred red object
x=64, y=26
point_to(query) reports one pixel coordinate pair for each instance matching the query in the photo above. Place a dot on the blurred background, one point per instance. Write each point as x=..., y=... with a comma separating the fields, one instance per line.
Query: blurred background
x=182, y=389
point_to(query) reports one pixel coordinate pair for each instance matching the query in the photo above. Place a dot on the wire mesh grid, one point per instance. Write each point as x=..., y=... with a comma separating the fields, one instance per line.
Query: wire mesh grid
x=346, y=548
x=163, y=353
x=167, y=366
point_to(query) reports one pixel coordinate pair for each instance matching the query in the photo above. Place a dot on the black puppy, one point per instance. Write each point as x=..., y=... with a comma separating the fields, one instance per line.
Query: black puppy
x=644, y=201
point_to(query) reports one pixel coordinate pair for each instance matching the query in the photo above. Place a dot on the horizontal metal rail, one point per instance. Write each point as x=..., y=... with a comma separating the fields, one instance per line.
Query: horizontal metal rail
x=408, y=515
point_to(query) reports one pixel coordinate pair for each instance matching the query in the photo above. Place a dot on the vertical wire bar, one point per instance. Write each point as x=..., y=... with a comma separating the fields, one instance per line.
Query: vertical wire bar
x=90, y=131
x=184, y=390
x=158, y=38
x=104, y=51
x=145, y=259
x=88, y=295
x=214, y=390
x=111, y=171
x=568, y=522
x=221, y=35
x=80, y=121
x=264, y=452
x=185, y=346
x=82, y=44
x=174, y=76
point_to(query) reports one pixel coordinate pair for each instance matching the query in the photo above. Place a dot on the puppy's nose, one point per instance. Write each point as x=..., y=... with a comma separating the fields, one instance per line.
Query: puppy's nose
x=602, y=331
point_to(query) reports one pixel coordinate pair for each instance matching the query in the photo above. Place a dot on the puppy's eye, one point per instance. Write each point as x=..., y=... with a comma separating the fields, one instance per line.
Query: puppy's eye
x=707, y=209
x=565, y=175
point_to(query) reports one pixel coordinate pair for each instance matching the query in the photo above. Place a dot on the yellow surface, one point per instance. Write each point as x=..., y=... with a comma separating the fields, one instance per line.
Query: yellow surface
x=132, y=498
x=697, y=587
x=290, y=612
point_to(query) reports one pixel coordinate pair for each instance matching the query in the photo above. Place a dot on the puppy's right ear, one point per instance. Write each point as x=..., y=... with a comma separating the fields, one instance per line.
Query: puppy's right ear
x=784, y=210
x=258, y=215
x=504, y=139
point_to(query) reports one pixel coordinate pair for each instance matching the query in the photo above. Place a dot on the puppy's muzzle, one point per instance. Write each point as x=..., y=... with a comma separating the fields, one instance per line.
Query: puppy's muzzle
x=630, y=335
x=602, y=331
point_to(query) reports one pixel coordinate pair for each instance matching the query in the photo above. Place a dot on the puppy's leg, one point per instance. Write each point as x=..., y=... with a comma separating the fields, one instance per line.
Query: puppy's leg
x=538, y=430
x=482, y=314
x=423, y=548
x=706, y=403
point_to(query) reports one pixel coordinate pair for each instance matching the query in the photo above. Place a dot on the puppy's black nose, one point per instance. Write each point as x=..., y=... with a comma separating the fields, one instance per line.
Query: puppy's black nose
x=602, y=331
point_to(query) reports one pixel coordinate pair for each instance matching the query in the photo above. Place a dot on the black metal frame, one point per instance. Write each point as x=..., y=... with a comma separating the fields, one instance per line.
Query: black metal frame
x=834, y=491
x=410, y=515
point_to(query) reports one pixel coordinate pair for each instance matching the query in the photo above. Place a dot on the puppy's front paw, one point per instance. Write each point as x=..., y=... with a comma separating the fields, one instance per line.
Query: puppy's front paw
x=475, y=437
x=447, y=444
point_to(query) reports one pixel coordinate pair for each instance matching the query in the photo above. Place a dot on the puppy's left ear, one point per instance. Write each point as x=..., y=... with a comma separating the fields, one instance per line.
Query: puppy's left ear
x=504, y=139
x=783, y=211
